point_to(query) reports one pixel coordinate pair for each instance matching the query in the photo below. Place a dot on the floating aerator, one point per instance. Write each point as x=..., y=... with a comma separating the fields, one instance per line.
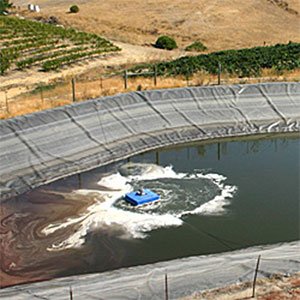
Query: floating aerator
x=141, y=196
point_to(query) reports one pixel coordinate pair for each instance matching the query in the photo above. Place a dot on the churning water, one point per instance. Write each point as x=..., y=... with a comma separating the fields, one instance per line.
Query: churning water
x=181, y=194
x=214, y=197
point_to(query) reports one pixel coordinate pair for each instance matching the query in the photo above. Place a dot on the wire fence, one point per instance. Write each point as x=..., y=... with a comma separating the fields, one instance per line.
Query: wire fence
x=17, y=101
x=243, y=287
x=22, y=100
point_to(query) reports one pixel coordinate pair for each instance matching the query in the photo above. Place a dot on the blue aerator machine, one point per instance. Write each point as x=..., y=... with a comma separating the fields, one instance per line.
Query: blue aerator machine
x=142, y=196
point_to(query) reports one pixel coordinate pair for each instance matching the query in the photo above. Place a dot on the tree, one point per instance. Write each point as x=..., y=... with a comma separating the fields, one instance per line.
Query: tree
x=74, y=9
x=165, y=42
x=4, y=6
x=196, y=46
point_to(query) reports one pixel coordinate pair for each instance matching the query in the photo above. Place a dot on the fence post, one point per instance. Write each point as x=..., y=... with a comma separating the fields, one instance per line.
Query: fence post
x=219, y=73
x=187, y=80
x=6, y=102
x=101, y=84
x=166, y=287
x=155, y=75
x=255, y=276
x=125, y=79
x=71, y=293
x=73, y=90
x=42, y=96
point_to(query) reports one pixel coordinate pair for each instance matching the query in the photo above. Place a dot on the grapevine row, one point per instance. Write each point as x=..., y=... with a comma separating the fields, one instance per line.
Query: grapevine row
x=59, y=62
x=243, y=63
x=37, y=41
x=32, y=60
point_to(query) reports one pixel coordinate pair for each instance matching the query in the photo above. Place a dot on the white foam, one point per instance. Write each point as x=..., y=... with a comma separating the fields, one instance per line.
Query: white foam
x=216, y=205
x=134, y=225
x=102, y=213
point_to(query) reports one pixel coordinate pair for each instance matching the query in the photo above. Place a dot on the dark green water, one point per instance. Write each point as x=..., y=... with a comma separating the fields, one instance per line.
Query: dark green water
x=264, y=209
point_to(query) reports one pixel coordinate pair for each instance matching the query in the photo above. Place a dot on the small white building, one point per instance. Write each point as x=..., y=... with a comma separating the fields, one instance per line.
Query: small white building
x=30, y=7
x=34, y=8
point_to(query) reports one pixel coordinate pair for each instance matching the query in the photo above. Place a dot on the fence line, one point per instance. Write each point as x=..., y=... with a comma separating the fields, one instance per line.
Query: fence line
x=77, y=89
x=238, y=286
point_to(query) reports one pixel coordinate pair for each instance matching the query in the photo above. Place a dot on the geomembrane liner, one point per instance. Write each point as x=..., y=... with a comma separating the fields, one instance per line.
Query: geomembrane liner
x=42, y=147
x=185, y=276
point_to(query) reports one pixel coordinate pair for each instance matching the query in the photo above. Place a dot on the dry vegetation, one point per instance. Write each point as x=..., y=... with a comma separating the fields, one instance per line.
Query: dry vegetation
x=277, y=287
x=219, y=24
x=134, y=26
x=92, y=86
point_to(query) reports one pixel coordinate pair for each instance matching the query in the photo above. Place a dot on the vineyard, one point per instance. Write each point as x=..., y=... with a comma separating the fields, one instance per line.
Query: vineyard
x=242, y=63
x=26, y=44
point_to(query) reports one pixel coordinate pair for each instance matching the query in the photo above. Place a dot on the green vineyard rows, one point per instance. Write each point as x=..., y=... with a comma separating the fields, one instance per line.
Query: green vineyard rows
x=25, y=43
x=243, y=63
x=25, y=63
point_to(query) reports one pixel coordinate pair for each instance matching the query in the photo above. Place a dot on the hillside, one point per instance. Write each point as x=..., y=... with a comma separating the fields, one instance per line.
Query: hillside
x=26, y=43
x=219, y=24
x=133, y=26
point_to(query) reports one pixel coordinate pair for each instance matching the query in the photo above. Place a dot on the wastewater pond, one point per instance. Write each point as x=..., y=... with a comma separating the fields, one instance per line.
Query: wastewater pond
x=214, y=197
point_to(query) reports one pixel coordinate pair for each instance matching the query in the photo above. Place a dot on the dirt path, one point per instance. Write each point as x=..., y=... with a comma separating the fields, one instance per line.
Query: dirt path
x=227, y=24
x=18, y=82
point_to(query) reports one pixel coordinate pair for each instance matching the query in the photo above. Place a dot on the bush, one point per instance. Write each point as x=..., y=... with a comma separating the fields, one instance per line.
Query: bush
x=196, y=46
x=4, y=6
x=165, y=42
x=74, y=9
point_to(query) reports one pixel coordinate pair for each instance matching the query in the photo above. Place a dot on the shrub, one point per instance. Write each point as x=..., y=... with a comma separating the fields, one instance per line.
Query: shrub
x=196, y=46
x=74, y=9
x=165, y=42
x=4, y=6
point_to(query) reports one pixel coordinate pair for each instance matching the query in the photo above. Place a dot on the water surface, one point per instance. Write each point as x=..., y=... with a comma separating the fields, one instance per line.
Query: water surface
x=215, y=197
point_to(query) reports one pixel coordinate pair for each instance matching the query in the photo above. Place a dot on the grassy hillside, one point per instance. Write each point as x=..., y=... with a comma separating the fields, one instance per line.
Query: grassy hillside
x=219, y=24
x=26, y=44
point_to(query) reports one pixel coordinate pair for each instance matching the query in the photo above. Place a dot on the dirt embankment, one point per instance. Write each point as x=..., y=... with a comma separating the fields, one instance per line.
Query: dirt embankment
x=277, y=287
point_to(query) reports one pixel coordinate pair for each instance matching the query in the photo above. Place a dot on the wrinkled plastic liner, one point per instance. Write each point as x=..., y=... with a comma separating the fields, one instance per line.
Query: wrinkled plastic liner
x=185, y=276
x=42, y=147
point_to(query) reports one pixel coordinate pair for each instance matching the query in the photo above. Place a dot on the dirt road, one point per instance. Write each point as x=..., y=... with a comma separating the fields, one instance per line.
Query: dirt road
x=18, y=82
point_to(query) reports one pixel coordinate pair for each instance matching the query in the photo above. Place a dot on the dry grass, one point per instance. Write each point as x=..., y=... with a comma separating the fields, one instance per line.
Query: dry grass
x=277, y=287
x=219, y=24
x=93, y=87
